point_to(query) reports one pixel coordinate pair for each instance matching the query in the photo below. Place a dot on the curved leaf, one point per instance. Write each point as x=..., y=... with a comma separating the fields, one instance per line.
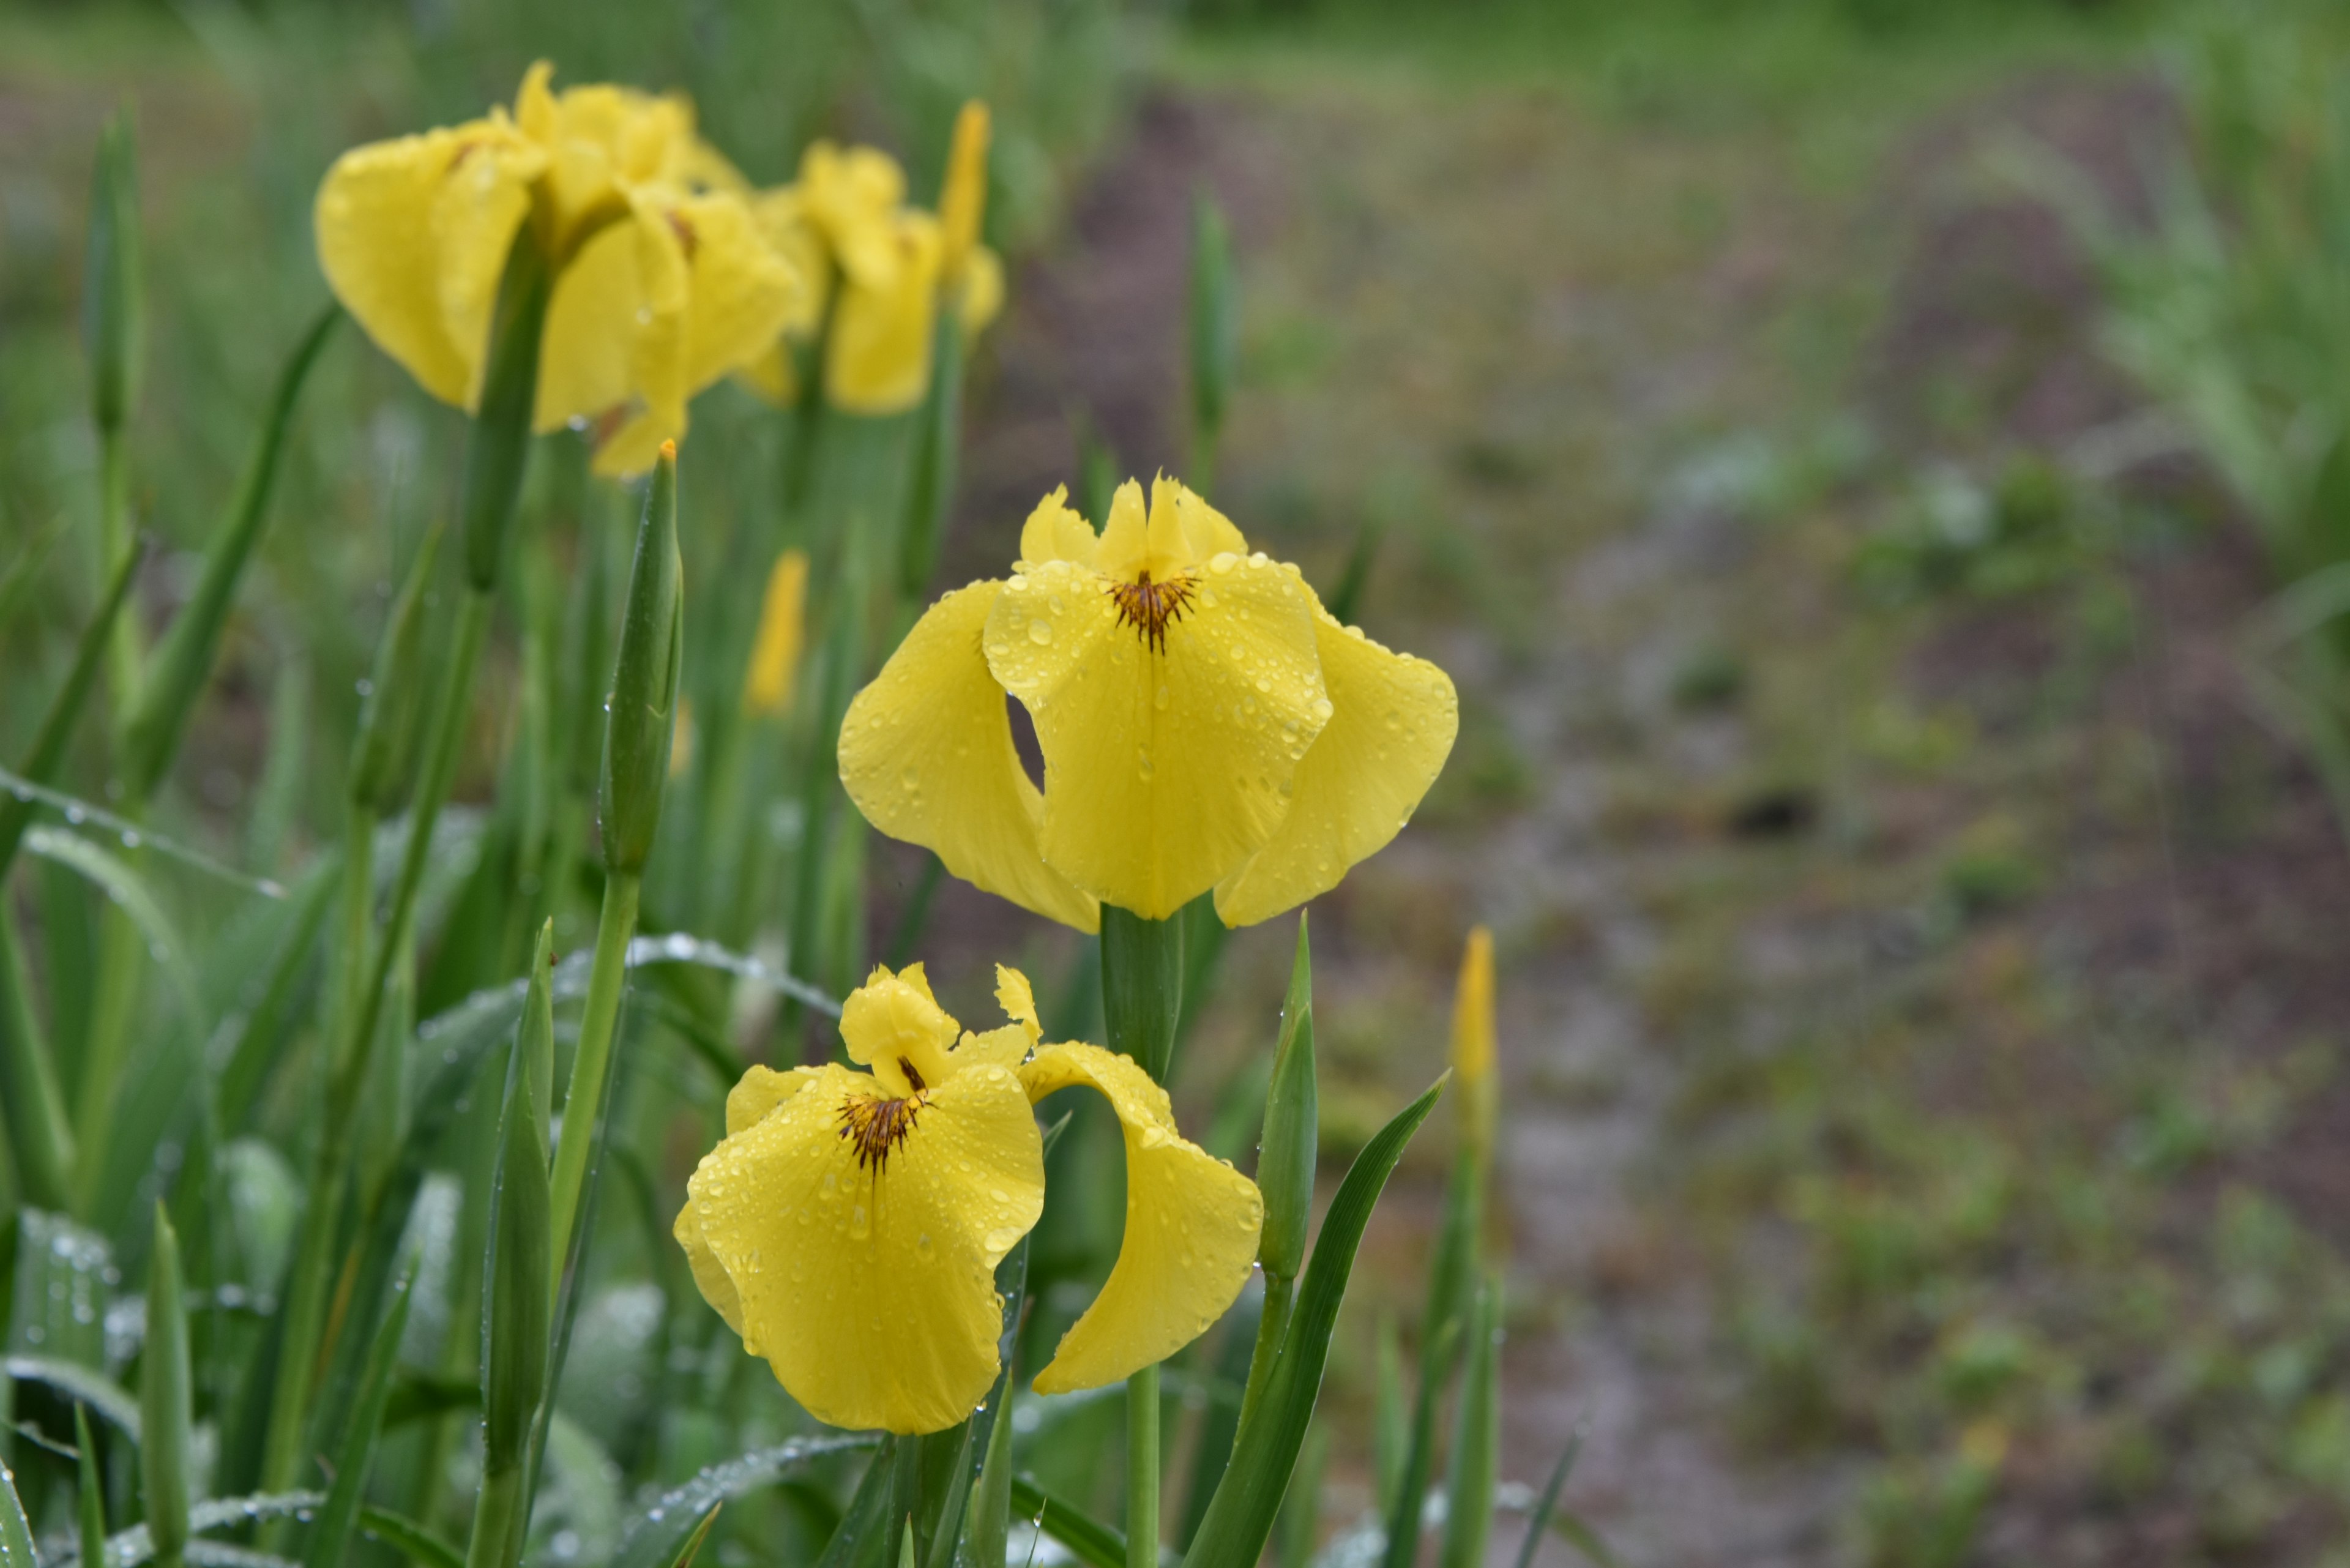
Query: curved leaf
x=655, y=1537
x=113, y=875
x=95, y=1389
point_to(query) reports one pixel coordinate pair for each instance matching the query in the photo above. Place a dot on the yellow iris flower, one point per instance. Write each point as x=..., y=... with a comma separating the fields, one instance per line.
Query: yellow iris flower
x=847, y=223
x=848, y=1226
x=1205, y=724
x=664, y=280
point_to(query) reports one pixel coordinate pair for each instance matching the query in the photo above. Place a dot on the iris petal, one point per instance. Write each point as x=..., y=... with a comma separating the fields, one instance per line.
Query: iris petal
x=412, y=236
x=926, y=754
x=1392, y=722
x=1170, y=741
x=1192, y=1227
x=872, y=1293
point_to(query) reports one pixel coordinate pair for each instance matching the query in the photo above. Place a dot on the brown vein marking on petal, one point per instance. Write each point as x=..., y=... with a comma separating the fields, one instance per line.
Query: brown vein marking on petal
x=876, y=1127
x=1149, y=606
x=682, y=228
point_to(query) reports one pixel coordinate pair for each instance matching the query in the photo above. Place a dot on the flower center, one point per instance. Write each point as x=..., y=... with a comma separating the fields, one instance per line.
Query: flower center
x=1148, y=606
x=877, y=1128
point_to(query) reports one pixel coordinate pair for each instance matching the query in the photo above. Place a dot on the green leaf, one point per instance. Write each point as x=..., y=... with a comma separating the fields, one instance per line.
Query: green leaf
x=988, y=1520
x=90, y=1500
x=1547, y=1504
x=1477, y=1439
x=1391, y=1425
x=498, y=449
x=16, y=1534
x=1301, y=1506
x=1348, y=599
x=1215, y=328
x=1586, y=1540
x=183, y=662
x=409, y=1539
x=64, y=1283
x=938, y=439
x=1408, y=1503
x=250, y=1038
x=114, y=877
x=331, y=1536
x=1241, y=1518
x=40, y=1138
x=66, y=707
x=1093, y=1543
x=864, y=1529
x=25, y=568
x=132, y=1547
x=692, y=1547
x=166, y=1400
x=82, y=1384
x=391, y=714
x=513, y=1374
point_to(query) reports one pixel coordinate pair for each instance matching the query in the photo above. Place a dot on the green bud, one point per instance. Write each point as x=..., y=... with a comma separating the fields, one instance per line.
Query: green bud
x=1286, y=1158
x=390, y=713
x=114, y=294
x=642, y=711
x=166, y=1406
x=515, y=1358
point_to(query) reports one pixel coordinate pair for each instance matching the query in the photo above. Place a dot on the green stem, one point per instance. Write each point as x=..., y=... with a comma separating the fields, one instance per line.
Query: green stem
x=346, y=1063
x=1142, y=1469
x=592, y=1064
x=1142, y=986
x=359, y=908
x=499, y=1516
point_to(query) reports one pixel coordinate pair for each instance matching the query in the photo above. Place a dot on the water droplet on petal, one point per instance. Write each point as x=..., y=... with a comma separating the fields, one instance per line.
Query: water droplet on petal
x=1040, y=631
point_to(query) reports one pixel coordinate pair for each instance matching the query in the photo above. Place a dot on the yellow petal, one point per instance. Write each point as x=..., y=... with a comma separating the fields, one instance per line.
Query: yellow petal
x=1472, y=1045
x=894, y=1025
x=1055, y=533
x=1191, y=1225
x=878, y=354
x=761, y=1090
x=962, y=198
x=742, y=291
x=412, y=236
x=772, y=377
x=1018, y=1000
x=709, y=1277
x=872, y=1292
x=782, y=216
x=982, y=291
x=1124, y=551
x=614, y=350
x=926, y=752
x=775, y=650
x=852, y=196
x=1206, y=532
x=1392, y=720
x=1168, y=756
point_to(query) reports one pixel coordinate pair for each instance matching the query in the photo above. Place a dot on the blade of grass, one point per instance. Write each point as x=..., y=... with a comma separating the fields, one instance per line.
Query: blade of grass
x=1093, y=1543
x=1546, y=1505
x=25, y=569
x=331, y=1536
x=90, y=1503
x=1241, y=1517
x=407, y=1538
x=65, y=709
x=654, y=1536
x=16, y=1534
x=1477, y=1439
x=40, y=1138
x=117, y=1405
x=166, y=1401
x=167, y=694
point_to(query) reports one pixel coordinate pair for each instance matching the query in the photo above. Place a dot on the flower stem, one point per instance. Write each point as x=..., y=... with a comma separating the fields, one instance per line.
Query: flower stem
x=1142, y=1469
x=591, y=1066
x=1142, y=987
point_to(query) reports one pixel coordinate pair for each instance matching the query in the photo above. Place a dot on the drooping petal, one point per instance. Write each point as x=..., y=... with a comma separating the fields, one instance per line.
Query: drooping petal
x=1169, y=742
x=872, y=1293
x=614, y=348
x=761, y=1090
x=1018, y=1000
x=742, y=290
x=894, y=1025
x=413, y=236
x=1392, y=719
x=1191, y=1226
x=926, y=752
x=709, y=1277
x=878, y=353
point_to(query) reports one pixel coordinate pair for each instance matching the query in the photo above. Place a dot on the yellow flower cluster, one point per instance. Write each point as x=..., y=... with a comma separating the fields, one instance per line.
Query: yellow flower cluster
x=849, y=1225
x=670, y=271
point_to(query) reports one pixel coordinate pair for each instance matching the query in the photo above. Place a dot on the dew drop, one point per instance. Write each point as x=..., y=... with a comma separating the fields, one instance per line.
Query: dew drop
x=1223, y=561
x=1040, y=631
